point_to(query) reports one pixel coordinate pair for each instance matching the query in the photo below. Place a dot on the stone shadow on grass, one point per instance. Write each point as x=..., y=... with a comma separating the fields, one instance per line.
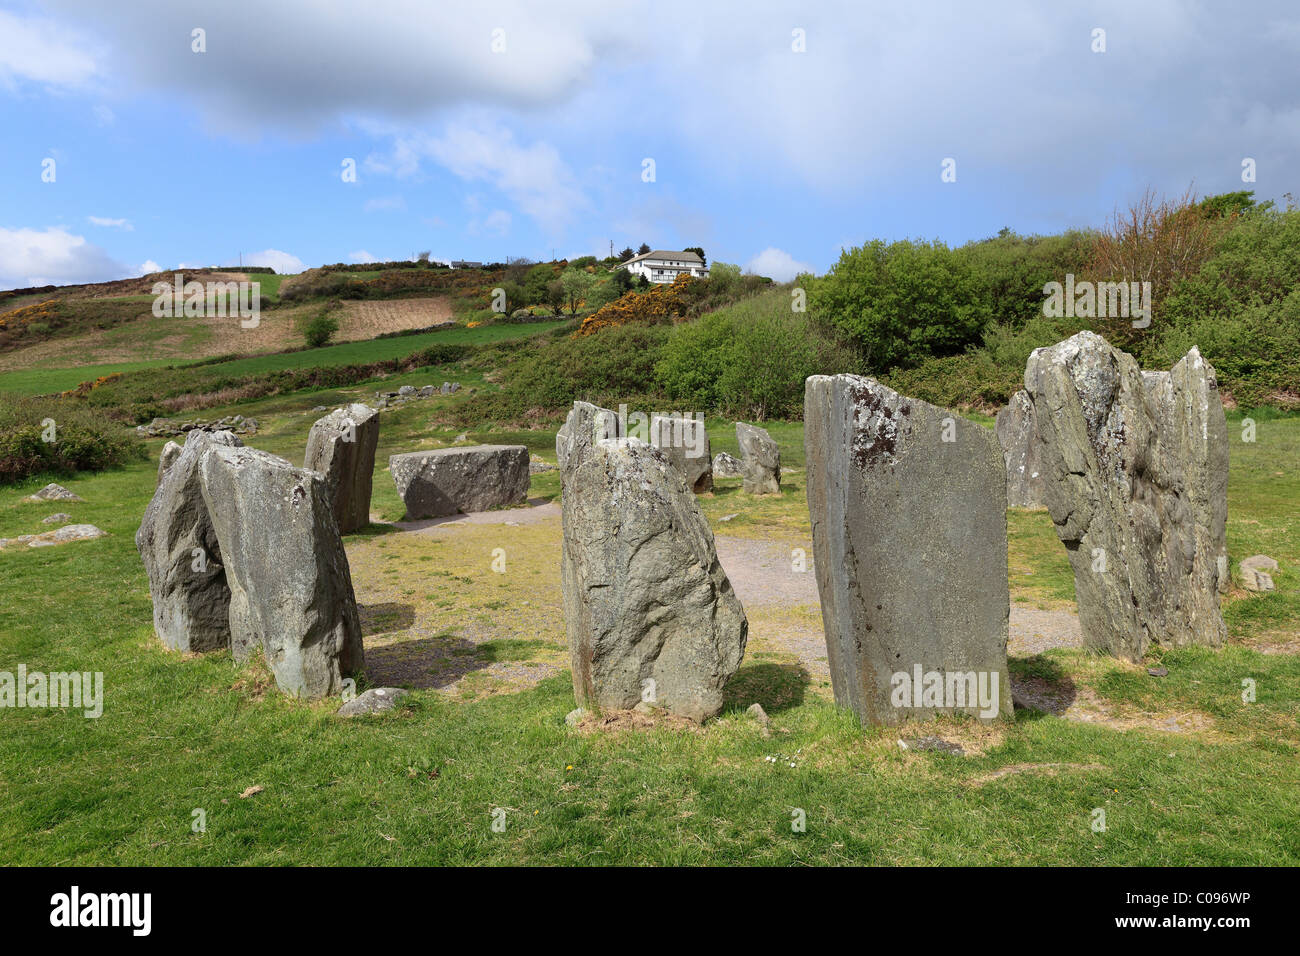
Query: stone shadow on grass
x=1039, y=686
x=776, y=687
x=383, y=618
x=425, y=663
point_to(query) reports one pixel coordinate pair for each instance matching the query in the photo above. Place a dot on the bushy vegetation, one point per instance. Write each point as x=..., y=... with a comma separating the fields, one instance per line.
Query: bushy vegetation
x=320, y=327
x=749, y=360
x=59, y=437
x=956, y=326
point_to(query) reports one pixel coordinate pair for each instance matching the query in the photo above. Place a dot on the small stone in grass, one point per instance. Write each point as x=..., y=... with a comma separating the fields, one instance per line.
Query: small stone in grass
x=574, y=717
x=1157, y=671
x=374, y=701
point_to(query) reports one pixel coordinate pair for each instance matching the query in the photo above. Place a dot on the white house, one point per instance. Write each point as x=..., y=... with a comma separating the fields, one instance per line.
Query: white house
x=664, y=266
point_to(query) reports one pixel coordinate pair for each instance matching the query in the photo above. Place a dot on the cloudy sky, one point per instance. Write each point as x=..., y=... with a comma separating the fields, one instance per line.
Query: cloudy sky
x=776, y=133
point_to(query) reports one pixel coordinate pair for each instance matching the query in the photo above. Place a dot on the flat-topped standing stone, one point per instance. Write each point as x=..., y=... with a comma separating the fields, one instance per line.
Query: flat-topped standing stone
x=649, y=611
x=1136, y=471
x=341, y=446
x=585, y=424
x=908, y=508
x=448, y=481
x=761, y=472
x=178, y=544
x=290, y=588
x=1018, y=434
x=685, y=443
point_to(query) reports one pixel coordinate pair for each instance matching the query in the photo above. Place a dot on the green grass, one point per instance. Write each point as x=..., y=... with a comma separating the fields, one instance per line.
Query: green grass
x=419, y=786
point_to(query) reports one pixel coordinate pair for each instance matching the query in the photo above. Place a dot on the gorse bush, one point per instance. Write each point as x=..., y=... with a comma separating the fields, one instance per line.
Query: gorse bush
x=320, y=327
x=84, y=439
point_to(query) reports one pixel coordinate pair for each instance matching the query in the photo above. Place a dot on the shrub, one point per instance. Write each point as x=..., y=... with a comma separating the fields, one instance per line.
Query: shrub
x=903, y=302
x=750, y=360
x=85, y=439
x=318, y=330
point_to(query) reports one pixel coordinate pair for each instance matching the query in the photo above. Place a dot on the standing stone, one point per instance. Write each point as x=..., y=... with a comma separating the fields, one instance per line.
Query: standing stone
x=171, y=451
x=341, y=446
x=908, y=508
x=685, y=443
x=586, y=423
x=181, y=555
x=448, y=481
x=1136, y=469
x=649, y=611
x=1018, y=435
x=727, y=466
x=762, y=460
x=290, y=588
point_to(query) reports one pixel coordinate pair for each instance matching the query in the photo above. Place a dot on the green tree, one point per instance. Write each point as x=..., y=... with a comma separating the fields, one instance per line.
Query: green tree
x=901, y=302
x=577, y=286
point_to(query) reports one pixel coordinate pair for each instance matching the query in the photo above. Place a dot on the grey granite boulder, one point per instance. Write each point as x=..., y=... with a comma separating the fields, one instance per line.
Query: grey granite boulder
x=54, y=492
x=649, y=611
x=1017, y=432
x=908, y=509
x=727, y=466
x=290, y=587
x=170, y=452
x=341, y=446
x=448, y=481
x=1136, y=469
x=377, y=700
x=685, y=443
x=585, y=424
x=1255, y=574
x=761, y=472
x=182, y=557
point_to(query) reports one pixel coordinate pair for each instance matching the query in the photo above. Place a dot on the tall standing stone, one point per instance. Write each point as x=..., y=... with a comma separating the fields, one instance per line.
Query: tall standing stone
x=181, y=554
x=649, y=611
x=1136, y=469
x=585, y=424
x=1017, y=432
x=341, y=446
x=170, y=452
x=908, y=508
x=685, y=443
x=761, y=474
x=291, y=590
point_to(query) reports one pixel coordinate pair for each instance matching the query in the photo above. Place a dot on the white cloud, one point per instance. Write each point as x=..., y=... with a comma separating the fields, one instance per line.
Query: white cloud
x=281, y=262
x=361, y=256
x=53, y=256
x=495, y=223
x=111, y=223
x=777, y=264
x=42, y=51
x=148, y=267
x=534, y=176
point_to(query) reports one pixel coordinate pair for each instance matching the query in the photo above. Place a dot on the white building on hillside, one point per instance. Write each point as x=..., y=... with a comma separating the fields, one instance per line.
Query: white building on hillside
x=664, y=266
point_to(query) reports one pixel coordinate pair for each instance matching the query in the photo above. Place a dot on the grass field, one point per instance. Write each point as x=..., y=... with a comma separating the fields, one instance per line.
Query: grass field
x=419, y=786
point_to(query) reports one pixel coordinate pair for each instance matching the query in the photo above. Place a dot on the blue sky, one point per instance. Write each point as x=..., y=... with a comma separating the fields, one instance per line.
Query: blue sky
x=765, y=155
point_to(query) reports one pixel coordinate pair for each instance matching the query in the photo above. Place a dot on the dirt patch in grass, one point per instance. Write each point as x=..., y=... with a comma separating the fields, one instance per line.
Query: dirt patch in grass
x=1047, y=769
x=623, y=721
x=1080, y=703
